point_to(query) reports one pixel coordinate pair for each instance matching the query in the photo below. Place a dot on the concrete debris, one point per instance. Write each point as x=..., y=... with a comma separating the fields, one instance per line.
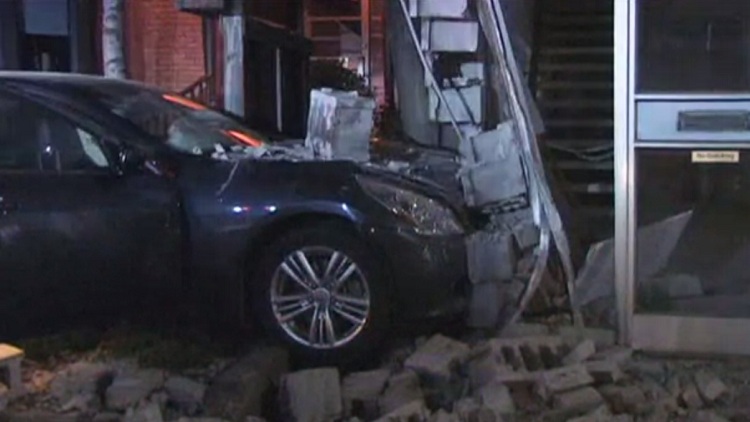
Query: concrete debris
x=600, y=414
x=313, y=395
x=239, y=390
x=466, y=408
x=484, y=305
x=362, y=389
x=496, y=397
x=647, y=369
x=707, y=416
x=402, y=388
x=580, y=353
x=710, y=387
x=690, y=397
x=81, y=378
x=451, y=36
x=491, y=257
x=437, y=8
x=456, y=98
x=578, y=401
x=564, y=379
x=605, y=371
x=127, y=390
x=185, y=393
x=624, y=399
x=414, y=410
x=438, y=357
x=443, y=416
x=617, y=355
x=485, y=368
x=147, y=412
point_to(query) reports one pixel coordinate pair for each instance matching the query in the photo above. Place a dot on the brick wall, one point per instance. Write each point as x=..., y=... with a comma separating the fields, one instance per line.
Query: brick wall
x=164, y=45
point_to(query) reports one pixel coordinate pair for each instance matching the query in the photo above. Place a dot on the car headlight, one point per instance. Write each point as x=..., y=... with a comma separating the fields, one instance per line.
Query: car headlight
x=429, y=217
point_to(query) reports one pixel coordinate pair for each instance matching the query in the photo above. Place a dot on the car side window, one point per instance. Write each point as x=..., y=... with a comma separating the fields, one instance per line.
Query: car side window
x=34, y=138
x=18, y=151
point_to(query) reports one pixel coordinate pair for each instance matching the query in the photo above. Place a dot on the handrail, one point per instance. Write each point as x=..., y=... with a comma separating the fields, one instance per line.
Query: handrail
x=202, y=90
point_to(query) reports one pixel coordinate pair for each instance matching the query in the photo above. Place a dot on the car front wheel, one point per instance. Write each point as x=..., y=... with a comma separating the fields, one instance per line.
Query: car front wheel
x=321, y=290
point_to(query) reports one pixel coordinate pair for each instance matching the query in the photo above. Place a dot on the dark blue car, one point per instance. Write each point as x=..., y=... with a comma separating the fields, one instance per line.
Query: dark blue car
x=112, y=193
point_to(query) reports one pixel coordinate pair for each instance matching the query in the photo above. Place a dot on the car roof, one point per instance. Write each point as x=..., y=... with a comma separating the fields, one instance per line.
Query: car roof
x=69, y=80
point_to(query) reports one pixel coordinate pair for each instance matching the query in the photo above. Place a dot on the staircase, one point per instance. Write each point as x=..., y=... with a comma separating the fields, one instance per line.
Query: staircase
x=572, y=76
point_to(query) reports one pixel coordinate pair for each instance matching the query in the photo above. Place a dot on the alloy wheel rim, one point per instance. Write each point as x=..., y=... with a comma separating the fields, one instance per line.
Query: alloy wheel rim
x=320, y=297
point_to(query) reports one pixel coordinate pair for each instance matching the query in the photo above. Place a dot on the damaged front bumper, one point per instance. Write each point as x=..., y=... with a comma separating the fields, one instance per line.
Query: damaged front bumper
x=428, y=273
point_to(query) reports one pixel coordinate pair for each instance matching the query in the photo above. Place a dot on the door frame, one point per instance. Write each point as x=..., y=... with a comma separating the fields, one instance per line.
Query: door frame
x=654, y=332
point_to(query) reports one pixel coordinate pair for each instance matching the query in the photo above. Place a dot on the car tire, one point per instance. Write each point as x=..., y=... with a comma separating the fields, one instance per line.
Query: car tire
x=346, y=294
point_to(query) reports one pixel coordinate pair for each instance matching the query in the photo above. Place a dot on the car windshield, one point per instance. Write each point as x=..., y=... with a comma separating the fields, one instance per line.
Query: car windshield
x=182, y=124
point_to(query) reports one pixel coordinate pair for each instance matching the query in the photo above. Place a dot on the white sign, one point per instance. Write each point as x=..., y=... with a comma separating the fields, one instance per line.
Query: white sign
x=716, y=156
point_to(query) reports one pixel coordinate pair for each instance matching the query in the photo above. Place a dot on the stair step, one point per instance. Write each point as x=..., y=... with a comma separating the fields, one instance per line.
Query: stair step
x=576, y=67
x=580, y=123
x=584, y=165
x=574, y=85
x=569, y=51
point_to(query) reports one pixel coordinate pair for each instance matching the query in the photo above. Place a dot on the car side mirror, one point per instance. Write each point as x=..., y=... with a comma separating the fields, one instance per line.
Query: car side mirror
x=130, y=159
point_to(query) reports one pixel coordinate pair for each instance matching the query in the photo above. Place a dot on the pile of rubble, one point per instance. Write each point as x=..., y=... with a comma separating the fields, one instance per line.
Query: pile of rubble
x=529, y=373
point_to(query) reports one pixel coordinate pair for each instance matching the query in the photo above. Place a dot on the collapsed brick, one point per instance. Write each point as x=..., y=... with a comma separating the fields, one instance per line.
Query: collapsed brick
x=484, y=369
x=438, y=357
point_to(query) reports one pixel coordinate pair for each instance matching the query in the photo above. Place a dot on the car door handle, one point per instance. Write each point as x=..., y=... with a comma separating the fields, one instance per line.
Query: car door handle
x=6, y=206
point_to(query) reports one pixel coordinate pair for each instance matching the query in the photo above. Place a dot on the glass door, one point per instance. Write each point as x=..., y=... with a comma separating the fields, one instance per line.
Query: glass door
x=684, y=261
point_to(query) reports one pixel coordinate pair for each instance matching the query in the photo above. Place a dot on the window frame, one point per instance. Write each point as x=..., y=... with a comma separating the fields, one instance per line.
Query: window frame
x=51, y=107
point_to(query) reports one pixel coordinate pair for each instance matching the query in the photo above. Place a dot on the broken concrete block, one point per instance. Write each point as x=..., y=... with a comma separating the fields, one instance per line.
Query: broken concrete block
x=525, y=330
x=710, y=387
x=647, y=369
x=466, y=408
x=363, y=389
x=600, y=414
x=582, y=352
x=605, y=371
x=491, y=257
x=617, y=355
x=340, y=125
x=443, y=416
x=465, y=103
x=145, y=412
x=444, y=36
x=437, y=8
x=564, y=379
x=313, y=395
x=490, y=183
x=690, y=397
x=438, y=357
x=578, y=401
x=602, y=338
x=240, y=389
x=414, y=410
x=186, y=393
x=496, y=397
x=625, y=399
x=128, y=389
x=490, y=146
x=484, y=369
x=402, y=389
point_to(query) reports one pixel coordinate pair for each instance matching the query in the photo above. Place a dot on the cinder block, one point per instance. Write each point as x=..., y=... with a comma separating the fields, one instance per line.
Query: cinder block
x=340, y=125
x=437, y=8
x=464, y=102
x=491, y=257
x=564, y=379
x=450, y=36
